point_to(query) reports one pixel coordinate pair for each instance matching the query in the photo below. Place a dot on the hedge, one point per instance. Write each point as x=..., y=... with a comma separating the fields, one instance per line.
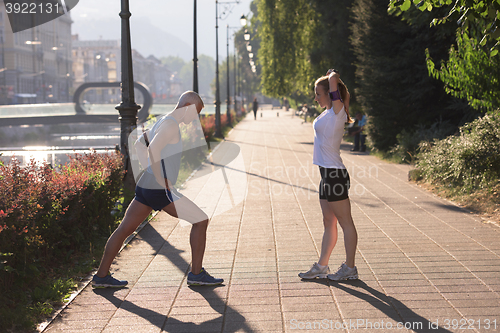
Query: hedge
x=48, y=215
x=469, y=161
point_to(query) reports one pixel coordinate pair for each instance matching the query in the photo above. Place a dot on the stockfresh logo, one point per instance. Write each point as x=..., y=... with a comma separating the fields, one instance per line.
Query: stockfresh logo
x=26, y=14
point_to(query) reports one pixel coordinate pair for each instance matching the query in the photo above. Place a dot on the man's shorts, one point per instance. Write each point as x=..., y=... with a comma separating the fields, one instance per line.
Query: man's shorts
x=334, y=185
x=156, y=199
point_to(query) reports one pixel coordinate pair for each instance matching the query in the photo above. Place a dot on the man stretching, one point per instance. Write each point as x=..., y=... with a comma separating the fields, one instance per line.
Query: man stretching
x=154, y=190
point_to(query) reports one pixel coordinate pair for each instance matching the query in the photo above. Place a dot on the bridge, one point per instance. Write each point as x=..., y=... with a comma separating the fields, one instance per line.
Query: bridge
x=63, y=113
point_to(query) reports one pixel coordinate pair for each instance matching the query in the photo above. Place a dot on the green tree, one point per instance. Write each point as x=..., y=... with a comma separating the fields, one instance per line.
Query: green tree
x=394, y=87
x=184, y=70
x=287, y=38
x=175, y=64
x=477, y=18
x=471, y=71
x=206, y=74
x=332, y=48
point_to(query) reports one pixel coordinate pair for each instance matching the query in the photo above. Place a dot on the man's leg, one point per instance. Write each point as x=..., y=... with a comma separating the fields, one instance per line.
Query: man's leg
x=356, y=142
x=189, y=211
x=198, y=241
x=136, y=213
x=362, y=139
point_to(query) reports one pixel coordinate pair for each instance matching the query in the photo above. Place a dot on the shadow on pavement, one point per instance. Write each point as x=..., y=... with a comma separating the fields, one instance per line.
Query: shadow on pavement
x=448, y=207
x=149, y=235
x=271, y=147
x=266, y=178
x=387, y=304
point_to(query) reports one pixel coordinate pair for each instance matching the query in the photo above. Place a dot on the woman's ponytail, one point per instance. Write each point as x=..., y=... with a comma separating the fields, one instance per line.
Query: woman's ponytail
x=344, y=94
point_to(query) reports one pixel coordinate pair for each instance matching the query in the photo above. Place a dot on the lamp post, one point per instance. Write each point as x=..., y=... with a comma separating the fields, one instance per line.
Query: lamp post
x=235, y=82
x=127, y=108
x=195, y=53
x=228, y=111
x=218, y=132
x=218, y=129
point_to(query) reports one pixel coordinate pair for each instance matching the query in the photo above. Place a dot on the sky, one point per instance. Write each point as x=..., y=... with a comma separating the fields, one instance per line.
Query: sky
x=95, y=19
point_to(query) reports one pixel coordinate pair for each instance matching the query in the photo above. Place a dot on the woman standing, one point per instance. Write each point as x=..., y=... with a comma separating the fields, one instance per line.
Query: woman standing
x=332, y=94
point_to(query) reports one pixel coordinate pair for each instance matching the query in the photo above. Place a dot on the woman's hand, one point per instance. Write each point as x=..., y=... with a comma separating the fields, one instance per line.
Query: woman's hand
x=333, y=74
x=333, y=79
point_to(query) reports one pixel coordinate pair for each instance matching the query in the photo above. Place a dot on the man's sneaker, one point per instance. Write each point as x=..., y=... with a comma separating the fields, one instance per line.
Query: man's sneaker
x=315, y=272
x=203, y=279
x=107, y=282
x=344, y=273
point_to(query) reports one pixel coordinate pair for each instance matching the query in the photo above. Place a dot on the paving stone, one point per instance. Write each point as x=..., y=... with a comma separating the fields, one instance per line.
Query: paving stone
x=415, y=253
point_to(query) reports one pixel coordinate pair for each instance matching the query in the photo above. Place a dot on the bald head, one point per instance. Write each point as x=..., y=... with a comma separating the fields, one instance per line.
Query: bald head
x=190, y=98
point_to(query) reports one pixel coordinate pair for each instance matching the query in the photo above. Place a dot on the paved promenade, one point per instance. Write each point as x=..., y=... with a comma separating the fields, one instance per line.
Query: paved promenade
x=425, y=265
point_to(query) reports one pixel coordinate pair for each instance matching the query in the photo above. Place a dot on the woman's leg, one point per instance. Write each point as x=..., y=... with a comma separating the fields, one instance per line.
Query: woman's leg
x=342, y=210
x=330, y=233
x=136, y=213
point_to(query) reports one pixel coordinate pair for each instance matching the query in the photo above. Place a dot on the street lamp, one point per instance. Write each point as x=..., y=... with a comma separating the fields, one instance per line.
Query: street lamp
x=218, y=129
x=228, y=112
x=195, y=53
x=243, y=20
x=127, y=108
x=246, y=35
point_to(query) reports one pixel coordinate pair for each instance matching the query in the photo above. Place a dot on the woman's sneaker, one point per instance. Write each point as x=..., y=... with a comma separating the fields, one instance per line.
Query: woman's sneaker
x=202, y=279
x=107, y=282
x=344, y=273
x=315, y=272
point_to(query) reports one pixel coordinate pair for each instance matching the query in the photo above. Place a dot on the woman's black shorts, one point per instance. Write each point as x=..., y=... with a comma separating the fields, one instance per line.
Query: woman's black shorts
x=334, y=185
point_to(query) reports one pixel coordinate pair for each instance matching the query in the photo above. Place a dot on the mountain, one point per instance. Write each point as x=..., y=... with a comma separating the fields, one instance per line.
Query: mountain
x=146, y=38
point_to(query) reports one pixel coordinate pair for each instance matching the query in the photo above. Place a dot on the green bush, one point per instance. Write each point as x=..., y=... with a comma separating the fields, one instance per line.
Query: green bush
x=47, y=219
x=408, y=141
x=468, y=161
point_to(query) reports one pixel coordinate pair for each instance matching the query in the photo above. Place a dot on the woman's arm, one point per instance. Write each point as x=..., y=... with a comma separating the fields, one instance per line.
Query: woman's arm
x=333, y=80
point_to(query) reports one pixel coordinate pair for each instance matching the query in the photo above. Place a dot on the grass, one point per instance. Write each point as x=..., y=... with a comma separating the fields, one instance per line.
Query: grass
x=57, y=283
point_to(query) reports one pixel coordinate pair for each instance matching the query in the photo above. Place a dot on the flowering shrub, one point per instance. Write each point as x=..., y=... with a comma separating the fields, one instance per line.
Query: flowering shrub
x=47, y=214
x=208, y=125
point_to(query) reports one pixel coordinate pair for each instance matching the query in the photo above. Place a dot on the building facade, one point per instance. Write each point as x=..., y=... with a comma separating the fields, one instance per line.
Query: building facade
x=46, y=64
x=96, y=61
x=100, y=61
x=35, y=63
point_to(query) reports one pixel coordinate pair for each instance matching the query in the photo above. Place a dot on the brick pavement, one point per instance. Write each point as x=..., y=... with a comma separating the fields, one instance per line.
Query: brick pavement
x=422, y=260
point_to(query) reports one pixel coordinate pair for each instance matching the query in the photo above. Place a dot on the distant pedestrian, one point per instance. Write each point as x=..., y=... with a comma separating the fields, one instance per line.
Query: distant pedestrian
x=154, y=190
x=332, y=94
x=358, y=132
x=255, y=106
